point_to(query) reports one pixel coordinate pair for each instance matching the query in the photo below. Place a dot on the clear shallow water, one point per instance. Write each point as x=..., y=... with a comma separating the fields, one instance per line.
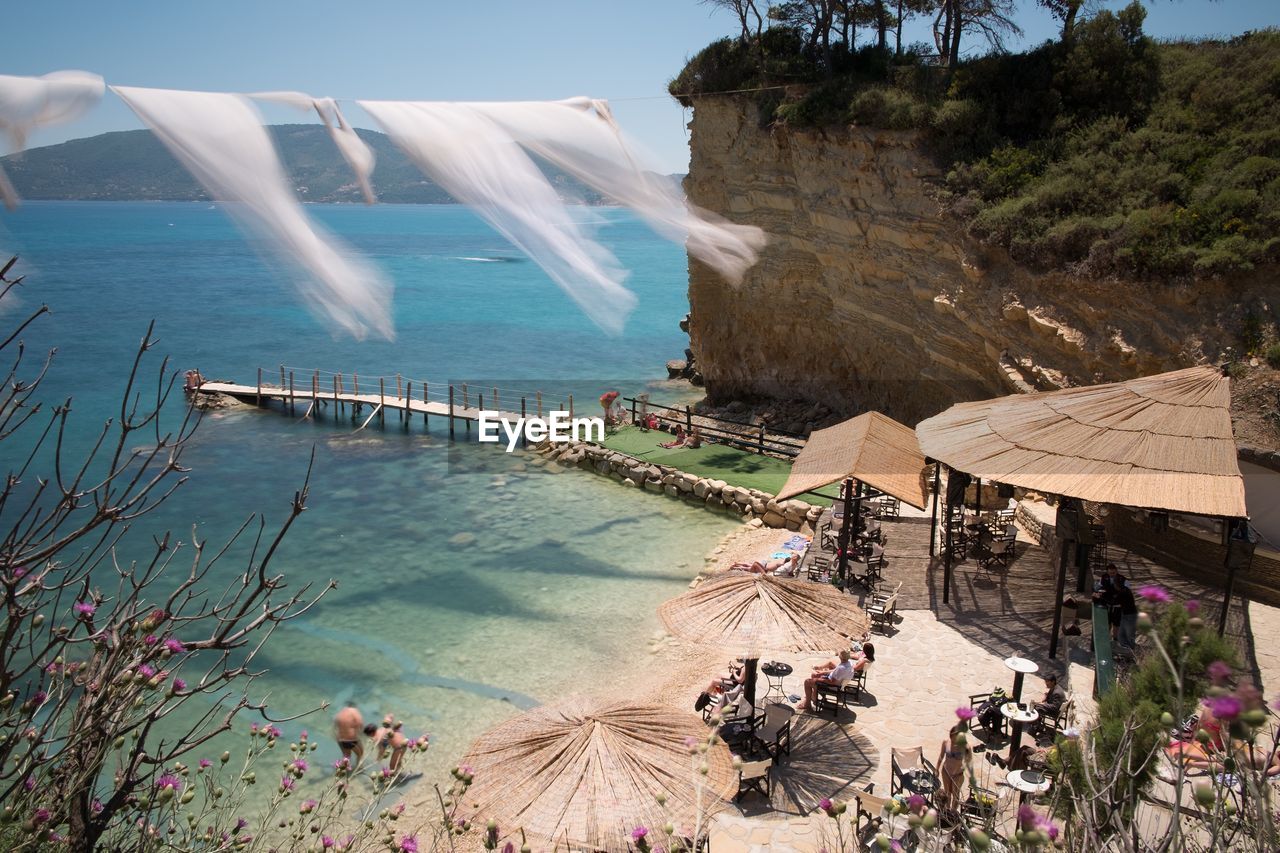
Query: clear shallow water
x=555, y=575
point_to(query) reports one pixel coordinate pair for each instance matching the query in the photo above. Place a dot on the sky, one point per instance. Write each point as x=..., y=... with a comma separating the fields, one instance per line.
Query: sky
x=429, y=50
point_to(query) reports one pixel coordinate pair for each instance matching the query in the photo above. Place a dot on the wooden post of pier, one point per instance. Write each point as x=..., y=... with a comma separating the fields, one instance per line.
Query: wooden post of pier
x=571, y=407
x=355, y=378
x=406, y=412
x=497, y=406
x=315, y=387
x=450, y=411
x=399, y=394
x=292, y=408
x=633, y=410
x=425, y=403
x=464, y=395
x=382, y=394
x=259, y=386
x=688, y=420
x=539, y=404
x=524, y=437
x=762, y=439
x=282, y=379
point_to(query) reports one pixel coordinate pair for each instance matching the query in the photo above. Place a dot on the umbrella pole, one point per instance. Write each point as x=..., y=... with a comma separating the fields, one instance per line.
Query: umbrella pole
x=946, y=544
x=842, y=570
x=1057, y=596
x=933, y=516
x=749, y=686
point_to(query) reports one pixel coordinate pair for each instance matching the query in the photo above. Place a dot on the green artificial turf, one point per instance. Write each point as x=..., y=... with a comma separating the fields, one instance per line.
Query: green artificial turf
x=716, y=461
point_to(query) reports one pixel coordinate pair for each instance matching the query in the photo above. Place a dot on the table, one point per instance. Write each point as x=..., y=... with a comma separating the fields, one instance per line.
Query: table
x=1020, y=667
x=1027, y=782
x=920, y=781
x=737, y=733
x=1017, y=717
x=774, y=671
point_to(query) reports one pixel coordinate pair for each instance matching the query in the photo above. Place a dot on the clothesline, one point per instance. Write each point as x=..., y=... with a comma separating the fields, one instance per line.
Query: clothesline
x=481, y=153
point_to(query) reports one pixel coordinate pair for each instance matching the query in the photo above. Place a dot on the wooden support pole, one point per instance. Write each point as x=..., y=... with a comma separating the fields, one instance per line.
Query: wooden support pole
x=524, y=437
x=845, y=538
x=464, y=395
x=406, y=412
x=315, y=386
x=761, y=439
x=688, y=419
x=497, y=405
x=539, y=399
x=282, y=377
x=355, y=378
x=292, y=409
x=933, y=516
x=480, y=402
x=259, y=386
x=335, y=396
x=382, y=400
x=450, y=411
x=399, y=395
x=570, y=407
x=425, y=403
x=633, y=410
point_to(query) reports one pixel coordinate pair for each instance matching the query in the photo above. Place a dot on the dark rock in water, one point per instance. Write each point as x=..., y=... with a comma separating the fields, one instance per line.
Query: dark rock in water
x=676, y=368
x=684, y=324
x=209, y=402
x=688, y=355
x=696, y=379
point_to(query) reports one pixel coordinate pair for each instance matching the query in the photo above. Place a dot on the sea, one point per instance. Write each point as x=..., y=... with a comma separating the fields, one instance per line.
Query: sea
x=470, y=583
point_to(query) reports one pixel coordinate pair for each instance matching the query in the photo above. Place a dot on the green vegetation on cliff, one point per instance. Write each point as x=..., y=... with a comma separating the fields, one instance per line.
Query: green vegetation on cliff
x=133, y=165
x=1105, y=153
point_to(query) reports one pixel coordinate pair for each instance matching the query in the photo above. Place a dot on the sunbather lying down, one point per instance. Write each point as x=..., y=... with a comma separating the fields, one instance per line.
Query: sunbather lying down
x=786, y=567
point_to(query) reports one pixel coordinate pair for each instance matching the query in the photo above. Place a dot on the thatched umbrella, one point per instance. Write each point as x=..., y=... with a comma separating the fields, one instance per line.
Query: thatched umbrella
x=871, y=448
x=589, y=773
x=751, y=614
x=1161, y=442
x=754, y=613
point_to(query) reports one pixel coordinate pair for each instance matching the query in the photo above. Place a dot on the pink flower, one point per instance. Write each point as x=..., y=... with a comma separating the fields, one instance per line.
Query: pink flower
x=1225, y=708
x=303, y=736
x=146, y=671
x=1192, y=605
x=409, y=844
x=300, y=765
x=41, y=815
x=639, y=832
x=1219, y=672
x=307, y=806
x=179, y=685
x=326, y=842
x=1027, y=817
x=1155, y=594
x=825, y=804
x=40, y=697
x=272, y=731
x=965, y=713
x=204, y=762
x=241, y=823
x=175, y=645
x=170, y=782
x=150, y=640
x=286, y=783
x=96, y=806
x=84, y=609
x=916, y=803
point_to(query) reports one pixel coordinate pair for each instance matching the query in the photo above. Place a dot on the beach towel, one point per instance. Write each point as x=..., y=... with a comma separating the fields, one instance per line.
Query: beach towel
x=795, y=543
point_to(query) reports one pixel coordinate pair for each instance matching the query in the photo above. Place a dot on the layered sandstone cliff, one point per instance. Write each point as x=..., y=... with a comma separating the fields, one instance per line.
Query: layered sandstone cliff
x=869, y=296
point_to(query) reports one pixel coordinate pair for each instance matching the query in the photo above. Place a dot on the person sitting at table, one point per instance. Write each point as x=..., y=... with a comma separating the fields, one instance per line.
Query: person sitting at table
x=832, y=672
x=679, y=439
x=1054, y=698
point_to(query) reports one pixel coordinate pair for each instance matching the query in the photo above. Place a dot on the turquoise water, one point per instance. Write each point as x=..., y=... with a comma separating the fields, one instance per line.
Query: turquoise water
x=470, y=582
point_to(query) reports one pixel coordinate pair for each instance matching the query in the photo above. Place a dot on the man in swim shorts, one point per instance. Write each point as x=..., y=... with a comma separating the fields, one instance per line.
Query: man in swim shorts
x=347, y=725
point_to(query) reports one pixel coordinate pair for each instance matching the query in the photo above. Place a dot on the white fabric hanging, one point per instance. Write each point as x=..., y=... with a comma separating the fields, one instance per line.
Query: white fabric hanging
x=358, y=155
x=478, y=163
x=581, y=137
x=220, y=139
x=28, y=103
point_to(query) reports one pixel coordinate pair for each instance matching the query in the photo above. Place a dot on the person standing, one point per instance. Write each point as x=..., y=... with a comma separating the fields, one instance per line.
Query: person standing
x=389, y=738
x=1127, y=634
x=347, y=725
x=952, y=758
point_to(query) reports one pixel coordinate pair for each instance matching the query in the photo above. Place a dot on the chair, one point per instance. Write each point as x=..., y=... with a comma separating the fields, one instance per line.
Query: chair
x=888, y=507
x=1002, y=551
x=1052, y=724
x=977, y=700
x=883, y=610
x=755, y=776
x=980, y=808
x=773, y=731
x=829, y=694
x=906, y=764
x=869, y=806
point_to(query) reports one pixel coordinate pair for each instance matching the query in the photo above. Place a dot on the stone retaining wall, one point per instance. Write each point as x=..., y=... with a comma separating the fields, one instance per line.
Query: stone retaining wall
x=751, y=504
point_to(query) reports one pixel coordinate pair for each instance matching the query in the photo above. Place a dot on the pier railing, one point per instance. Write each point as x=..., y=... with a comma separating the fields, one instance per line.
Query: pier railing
x=756, y=438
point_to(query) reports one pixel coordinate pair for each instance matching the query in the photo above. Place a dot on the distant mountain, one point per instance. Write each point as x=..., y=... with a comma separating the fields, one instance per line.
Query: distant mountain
x=132, y=165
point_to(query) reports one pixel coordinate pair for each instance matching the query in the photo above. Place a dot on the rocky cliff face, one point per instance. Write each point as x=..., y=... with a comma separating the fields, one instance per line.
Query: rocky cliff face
x=869, y=296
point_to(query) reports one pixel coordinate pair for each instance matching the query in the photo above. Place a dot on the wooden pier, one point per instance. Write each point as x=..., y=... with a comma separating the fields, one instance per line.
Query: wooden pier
x=406, y=398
